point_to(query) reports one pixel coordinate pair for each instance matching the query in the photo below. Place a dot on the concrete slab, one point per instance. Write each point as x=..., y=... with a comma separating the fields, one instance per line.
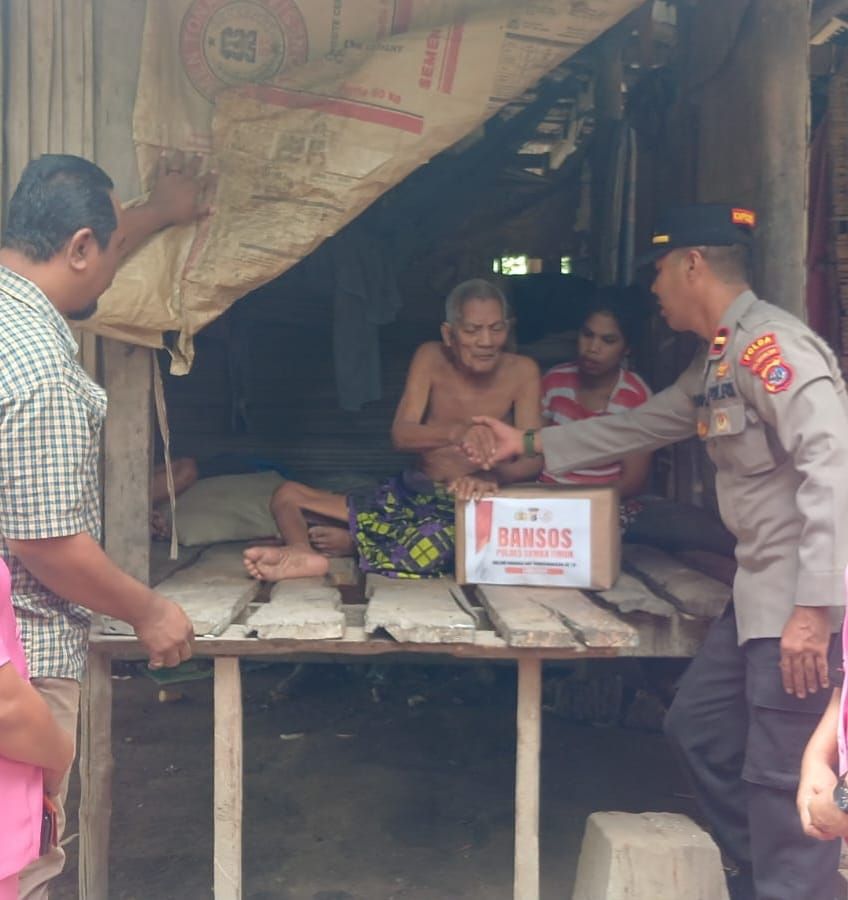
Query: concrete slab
x=648, y=856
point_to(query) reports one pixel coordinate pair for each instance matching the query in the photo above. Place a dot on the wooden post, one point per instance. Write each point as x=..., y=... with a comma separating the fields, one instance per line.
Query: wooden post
x=781, y=49
x=753, y=129
x=227, y=817
x=529, y=744
x=605, y=189
x=128, y=446
x=96, y=766
x=127, y=460
x=114, y=56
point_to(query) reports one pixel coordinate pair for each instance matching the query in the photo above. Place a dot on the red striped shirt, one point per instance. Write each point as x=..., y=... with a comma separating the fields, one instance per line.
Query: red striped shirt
x=560, y=404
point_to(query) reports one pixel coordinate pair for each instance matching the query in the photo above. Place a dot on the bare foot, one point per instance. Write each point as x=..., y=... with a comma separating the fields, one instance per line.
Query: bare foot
x=277, y=563
x=331, y=541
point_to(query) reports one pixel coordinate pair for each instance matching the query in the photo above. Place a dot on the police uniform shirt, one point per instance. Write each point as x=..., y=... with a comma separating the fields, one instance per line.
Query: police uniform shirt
x=769, y=402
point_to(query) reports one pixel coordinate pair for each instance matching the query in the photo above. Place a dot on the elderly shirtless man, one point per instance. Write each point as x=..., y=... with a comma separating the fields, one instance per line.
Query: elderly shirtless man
x=405, y=527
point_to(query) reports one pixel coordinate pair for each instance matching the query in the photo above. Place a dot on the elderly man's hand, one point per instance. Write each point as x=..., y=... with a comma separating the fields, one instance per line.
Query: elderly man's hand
x=505, y=442
x=181, y=194
x=477, y=440
x=470, y=487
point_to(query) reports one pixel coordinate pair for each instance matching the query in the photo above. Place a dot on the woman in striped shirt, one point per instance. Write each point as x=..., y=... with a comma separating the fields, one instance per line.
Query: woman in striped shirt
x=598, y=383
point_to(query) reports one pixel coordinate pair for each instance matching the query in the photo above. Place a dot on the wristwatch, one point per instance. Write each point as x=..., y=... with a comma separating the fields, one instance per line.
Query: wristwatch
x=840, y=795
x=530, y=442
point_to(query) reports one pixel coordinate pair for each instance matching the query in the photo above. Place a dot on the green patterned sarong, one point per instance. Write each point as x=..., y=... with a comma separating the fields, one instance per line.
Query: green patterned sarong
x=404, y=528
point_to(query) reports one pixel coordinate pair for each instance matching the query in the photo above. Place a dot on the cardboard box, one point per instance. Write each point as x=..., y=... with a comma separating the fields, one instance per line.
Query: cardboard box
x=539, y=534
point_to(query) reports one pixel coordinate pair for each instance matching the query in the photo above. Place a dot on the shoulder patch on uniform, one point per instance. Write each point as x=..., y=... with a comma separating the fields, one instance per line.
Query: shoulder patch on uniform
x=776, y=376
x=763, y=357
x=760, y=351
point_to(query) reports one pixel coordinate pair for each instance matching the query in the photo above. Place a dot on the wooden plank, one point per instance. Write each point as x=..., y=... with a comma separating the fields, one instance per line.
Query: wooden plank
x=521, y=621
x=161, y=564
x=487, y=645
x=420, y=611
x=722, y=568
x=213, y=591
x=344, y=570
x=227, y=815
x=304, y=608
x=678, y=636
x=595, y=626
x=95, y=768
x=528, y=752
x=629, y=595
x=691, y=591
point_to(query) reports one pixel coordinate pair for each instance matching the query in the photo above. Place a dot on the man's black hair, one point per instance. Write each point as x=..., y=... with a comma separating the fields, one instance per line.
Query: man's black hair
x=625, y=304
x=57, y=195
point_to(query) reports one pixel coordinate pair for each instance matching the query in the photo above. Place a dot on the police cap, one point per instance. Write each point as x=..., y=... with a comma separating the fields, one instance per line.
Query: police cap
x=701, y=225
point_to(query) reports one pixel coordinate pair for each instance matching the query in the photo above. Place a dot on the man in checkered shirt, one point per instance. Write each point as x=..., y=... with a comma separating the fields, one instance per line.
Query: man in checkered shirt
x=64, y=238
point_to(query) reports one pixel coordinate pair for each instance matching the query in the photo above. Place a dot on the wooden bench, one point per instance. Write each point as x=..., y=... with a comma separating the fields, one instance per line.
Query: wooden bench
x=659, y=607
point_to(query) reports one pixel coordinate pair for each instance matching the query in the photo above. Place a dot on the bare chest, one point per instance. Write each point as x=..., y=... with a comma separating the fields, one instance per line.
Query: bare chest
x=453, y=399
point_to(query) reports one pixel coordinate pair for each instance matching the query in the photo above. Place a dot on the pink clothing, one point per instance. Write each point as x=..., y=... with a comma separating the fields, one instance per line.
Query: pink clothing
x=560, y=405
x=21, y=784
x=9, y=887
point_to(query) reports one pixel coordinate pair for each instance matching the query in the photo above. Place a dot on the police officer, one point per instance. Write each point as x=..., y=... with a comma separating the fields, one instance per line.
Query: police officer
x=767, y=399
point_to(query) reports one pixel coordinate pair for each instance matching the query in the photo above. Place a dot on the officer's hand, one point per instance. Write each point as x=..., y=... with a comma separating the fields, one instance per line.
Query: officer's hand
x=478, y=442
x=803, y=650
x=817, y=781
x=506, y=443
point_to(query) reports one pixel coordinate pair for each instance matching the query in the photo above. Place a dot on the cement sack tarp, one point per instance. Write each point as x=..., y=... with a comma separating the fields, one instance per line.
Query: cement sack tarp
x=310, y=111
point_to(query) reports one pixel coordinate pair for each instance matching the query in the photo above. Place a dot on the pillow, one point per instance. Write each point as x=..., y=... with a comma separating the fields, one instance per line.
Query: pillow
x=227, y=508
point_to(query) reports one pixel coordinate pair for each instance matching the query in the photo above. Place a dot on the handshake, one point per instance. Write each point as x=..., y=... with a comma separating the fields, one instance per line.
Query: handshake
x=489, y=441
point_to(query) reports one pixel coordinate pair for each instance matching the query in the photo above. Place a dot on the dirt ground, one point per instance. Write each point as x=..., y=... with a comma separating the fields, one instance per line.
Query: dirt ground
x=386, y=782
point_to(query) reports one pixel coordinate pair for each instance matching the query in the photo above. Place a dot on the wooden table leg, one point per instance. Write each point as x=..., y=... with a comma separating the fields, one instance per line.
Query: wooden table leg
x=228, y=779
x=95, y=767
x=529, y=743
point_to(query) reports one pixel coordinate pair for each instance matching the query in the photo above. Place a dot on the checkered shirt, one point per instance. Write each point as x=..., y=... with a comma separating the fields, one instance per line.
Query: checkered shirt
x=51, y=415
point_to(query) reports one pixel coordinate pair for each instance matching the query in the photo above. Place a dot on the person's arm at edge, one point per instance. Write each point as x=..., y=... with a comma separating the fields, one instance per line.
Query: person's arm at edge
x=818, y=765
x=28, y=731
x=667, y=417
x=76, y=568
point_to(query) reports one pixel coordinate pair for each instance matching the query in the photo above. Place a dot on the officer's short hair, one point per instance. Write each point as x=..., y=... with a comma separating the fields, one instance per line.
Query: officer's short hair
x=58, y=194
x=730, y=264
x=474, y=289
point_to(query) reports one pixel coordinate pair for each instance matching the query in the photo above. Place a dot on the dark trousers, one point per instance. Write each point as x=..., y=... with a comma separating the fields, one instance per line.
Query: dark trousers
x=741, y=738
